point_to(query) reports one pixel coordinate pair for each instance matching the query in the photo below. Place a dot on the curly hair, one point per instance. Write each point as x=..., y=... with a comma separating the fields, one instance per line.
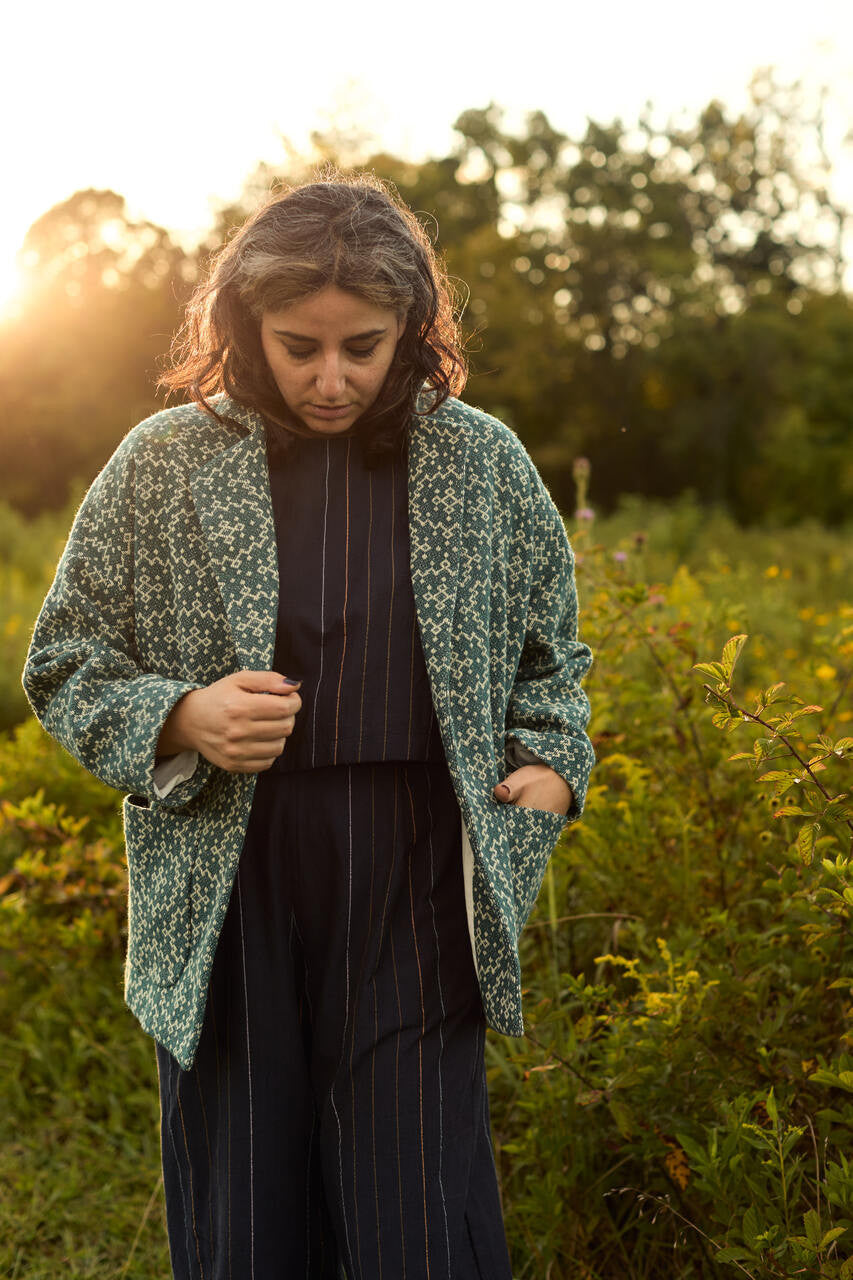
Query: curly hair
x=350, y=231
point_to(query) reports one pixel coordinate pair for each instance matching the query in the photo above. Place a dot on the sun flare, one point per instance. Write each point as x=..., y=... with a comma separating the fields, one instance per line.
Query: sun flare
x=11, y=288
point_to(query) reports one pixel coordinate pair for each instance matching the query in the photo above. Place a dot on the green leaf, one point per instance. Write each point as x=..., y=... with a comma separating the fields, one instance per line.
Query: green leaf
x=694, y=1151
x=731, y=652
x=732, y=1254
x=771, y=694
x=623, y=1116
x=751, y=1227
x=772, y=1109
x=831, y=1235
x=811, y=1222
x=712, y=669
x=805, y=841
x=836, y=1080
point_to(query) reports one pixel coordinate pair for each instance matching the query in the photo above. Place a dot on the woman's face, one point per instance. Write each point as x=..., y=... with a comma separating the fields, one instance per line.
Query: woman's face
x=329, y=354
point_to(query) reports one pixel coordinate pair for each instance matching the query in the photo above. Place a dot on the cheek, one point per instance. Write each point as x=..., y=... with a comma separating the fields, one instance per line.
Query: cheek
x=281, y=370
x=381, y=371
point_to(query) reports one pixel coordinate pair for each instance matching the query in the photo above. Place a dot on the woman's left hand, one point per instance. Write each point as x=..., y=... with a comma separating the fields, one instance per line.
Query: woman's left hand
x=535, y=786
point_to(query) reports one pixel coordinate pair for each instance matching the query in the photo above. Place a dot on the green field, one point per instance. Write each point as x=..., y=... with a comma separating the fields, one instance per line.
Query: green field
x=682, y=1105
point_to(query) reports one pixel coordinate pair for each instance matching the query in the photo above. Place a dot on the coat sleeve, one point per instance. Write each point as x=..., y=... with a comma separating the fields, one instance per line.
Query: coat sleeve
x=82, y=675
x=548, y=711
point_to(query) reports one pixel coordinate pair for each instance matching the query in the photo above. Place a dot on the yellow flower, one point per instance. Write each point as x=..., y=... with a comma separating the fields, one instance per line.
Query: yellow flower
x=772, y=571
x=822, y=619
x=806, y=613
x=825, y=672
x=677, y=1166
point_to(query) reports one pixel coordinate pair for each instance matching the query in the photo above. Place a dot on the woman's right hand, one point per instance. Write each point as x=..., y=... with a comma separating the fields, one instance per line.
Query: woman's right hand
x=240, y=723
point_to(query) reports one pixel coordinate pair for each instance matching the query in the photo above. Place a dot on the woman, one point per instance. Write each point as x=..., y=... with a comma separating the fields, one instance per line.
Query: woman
x=308, y=621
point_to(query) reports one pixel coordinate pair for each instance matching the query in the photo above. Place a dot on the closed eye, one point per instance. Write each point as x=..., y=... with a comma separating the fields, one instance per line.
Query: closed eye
x=360, y=353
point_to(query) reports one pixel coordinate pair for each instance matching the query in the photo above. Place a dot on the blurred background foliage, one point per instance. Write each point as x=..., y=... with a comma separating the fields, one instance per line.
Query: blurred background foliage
x=668, y=303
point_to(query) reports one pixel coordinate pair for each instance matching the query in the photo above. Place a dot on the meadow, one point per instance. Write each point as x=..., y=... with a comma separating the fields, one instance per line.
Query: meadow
x=682, y=1105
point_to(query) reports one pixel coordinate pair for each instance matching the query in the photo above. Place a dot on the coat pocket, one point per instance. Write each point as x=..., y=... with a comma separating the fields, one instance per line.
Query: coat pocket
x=532, y=834
x=160, y=845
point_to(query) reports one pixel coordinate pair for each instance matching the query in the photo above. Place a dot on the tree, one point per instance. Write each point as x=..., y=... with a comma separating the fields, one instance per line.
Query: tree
x=103, y=296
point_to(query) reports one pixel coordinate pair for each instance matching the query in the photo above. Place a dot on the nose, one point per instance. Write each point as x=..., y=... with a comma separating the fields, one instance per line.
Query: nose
x=331, y=381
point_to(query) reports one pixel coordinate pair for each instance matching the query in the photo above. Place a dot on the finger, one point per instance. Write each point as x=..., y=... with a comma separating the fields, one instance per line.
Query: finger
x=256, y=765
x=270, y=708
x=253, y=746
x=267, y=733
x=265, y=681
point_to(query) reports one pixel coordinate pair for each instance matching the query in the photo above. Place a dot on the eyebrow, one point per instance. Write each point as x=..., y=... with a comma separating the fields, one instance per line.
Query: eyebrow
x=303, y=337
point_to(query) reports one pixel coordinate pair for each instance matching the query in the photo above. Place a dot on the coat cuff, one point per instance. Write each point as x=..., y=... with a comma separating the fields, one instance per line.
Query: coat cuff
x=572, y=757
x=517, y=755
x=173, y=770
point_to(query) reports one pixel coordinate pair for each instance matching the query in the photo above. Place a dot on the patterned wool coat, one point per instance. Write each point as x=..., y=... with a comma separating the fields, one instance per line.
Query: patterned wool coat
x=169, y=581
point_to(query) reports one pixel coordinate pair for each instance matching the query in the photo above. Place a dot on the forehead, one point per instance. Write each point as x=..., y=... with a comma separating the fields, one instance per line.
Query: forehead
x=332, y=311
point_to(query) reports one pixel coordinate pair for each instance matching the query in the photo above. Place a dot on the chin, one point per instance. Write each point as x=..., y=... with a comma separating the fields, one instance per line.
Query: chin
x=316, y=422
x=329, y=428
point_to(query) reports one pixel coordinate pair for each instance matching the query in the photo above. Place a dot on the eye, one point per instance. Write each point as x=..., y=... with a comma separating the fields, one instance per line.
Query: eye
x=362, y=353
x=298, y=355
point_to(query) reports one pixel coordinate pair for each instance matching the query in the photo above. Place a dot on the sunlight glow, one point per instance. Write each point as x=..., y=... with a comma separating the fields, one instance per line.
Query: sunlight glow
x=12, y=287
x=98, y=127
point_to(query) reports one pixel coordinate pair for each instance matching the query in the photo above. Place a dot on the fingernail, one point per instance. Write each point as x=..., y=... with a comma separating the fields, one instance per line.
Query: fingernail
x=293, y=680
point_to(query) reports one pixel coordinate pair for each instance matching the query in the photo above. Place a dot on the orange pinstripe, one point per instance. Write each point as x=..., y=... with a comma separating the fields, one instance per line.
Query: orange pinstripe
x=190, y=1172
x=423, y=1032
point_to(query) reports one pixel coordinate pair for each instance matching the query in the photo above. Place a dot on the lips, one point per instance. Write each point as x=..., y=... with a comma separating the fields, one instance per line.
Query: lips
x=331, y=410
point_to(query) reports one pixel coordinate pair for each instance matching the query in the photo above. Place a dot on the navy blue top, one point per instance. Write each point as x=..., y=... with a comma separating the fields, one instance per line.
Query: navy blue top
x=346, y=616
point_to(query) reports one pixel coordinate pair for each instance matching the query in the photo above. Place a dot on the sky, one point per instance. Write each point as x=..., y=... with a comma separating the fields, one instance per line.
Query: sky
x=173, y=104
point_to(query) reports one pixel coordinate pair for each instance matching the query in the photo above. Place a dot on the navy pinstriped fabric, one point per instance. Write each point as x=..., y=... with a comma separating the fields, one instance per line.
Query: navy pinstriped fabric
x=335, y=1120
x=347, y=623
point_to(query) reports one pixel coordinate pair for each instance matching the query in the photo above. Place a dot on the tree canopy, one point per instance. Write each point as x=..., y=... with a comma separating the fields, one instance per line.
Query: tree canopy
x=667, y=302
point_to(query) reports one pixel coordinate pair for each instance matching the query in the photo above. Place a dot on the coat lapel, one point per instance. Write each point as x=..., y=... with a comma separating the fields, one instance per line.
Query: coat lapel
x=438, y=449
x=231, y=492
x=232, y=498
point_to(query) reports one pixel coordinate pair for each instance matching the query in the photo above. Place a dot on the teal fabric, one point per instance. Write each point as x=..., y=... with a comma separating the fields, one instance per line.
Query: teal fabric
x=169, y=581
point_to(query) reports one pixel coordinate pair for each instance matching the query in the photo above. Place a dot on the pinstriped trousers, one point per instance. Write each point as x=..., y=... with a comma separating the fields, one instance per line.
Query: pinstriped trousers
x=335, y=1122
